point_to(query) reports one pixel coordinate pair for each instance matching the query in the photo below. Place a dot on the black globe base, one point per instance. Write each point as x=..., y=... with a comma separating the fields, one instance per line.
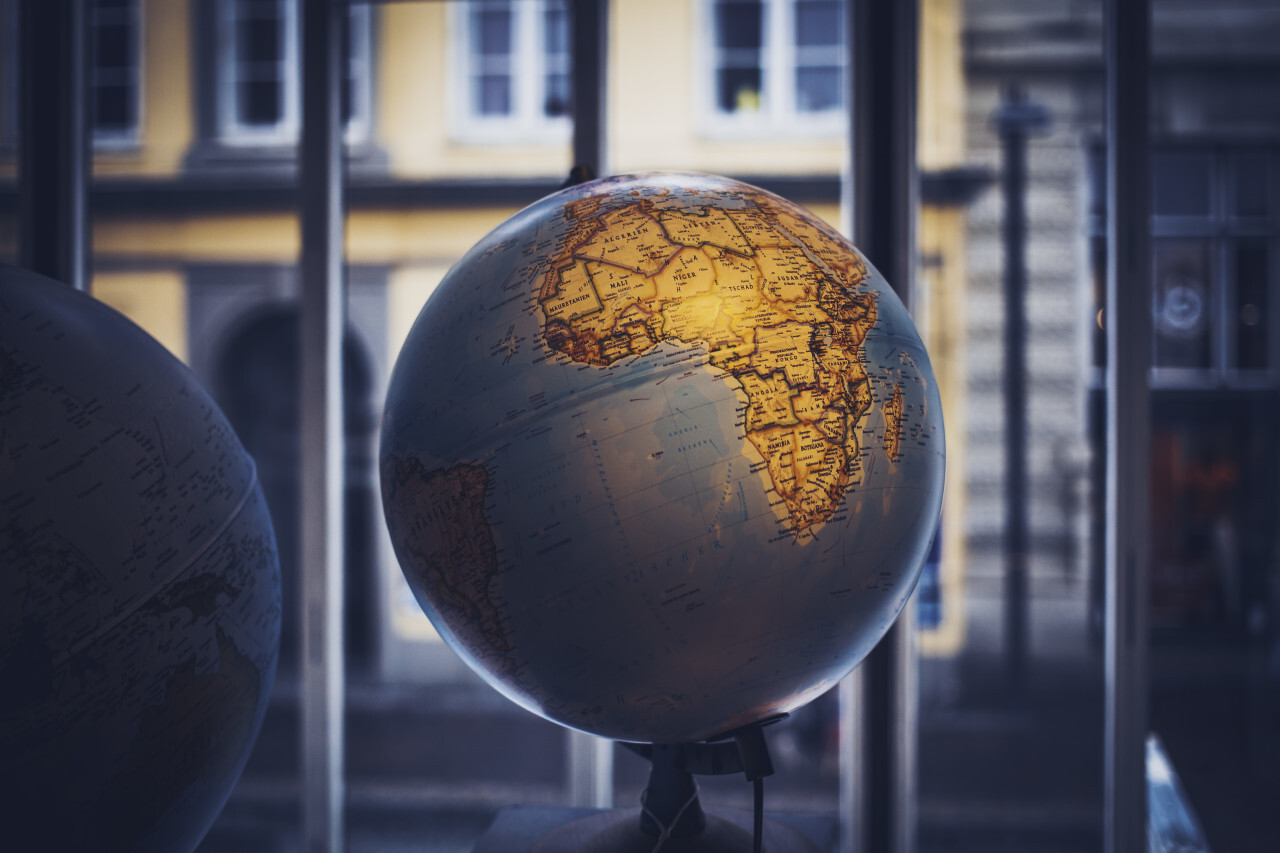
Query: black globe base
x=618, y=831
x=671, y=818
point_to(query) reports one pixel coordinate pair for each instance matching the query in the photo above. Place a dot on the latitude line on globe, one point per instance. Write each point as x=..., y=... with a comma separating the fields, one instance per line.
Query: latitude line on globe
x=127, y=611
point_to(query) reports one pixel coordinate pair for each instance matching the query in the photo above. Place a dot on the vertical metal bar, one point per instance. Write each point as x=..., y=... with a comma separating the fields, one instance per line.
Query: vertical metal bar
x=1014, y=145
x=851, y=796
x=1015, y=120
x=1128, y=329
x=590, y=758
x=880, y=193
x=590, y=36
x=590, y=770
x=323, y=305
x=54, y=146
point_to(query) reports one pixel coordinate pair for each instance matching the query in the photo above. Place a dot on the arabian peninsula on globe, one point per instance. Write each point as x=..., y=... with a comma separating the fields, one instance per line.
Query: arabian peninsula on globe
x=662, y=457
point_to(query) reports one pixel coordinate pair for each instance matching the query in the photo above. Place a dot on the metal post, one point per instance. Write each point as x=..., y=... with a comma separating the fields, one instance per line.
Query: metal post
x=54, y=149
x=1015, y=120
x=590, y=758
x=322, y=321
x=880, y=196
x=590, y=34
x=590, y=761
x=1128, y=329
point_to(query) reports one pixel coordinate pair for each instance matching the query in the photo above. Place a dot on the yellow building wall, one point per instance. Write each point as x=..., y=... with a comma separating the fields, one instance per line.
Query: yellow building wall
x=373, y=236
x=167, y=119
x=412, y=90
x=655, y=64
x=657, y=68
x=943, y=275
x=155, y=299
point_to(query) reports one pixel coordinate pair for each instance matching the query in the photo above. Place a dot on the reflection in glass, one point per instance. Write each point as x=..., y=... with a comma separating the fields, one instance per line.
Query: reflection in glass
x=259, y=102
x=817, y=22
x=818, y=40
x=1181, y=304
x=555, y=37
x=739, y=38
x=817, y=89
x=492, y=31
x=1252, y=184
x=1252, y=307
x=1180, y=183
x=739, y=24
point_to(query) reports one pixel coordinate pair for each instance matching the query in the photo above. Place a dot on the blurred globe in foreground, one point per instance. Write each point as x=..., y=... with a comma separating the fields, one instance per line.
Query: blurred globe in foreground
x=662, y=457
x=139, y=585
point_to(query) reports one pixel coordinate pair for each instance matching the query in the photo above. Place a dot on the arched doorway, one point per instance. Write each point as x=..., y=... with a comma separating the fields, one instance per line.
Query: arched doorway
x=257, y=383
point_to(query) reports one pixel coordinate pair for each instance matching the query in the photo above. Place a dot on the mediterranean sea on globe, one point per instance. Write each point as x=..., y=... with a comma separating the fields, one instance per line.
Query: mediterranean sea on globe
x=662, y=456
x=139, y=584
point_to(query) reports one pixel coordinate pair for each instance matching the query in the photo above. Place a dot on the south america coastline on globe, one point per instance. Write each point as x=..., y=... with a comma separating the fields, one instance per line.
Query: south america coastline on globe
x=697, y=440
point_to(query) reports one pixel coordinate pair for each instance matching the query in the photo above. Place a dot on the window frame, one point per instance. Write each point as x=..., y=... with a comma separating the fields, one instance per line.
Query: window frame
x=527, y=122
x=131, y=136
x=1222, y=230
x=230, y=131
x=779, y=115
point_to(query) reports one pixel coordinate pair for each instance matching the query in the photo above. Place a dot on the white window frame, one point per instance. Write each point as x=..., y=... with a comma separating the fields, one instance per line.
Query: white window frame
x=359, y=71
x=778, y=115
x=129, y=137
x=116, y=139
x=231, y=131
x=527, y=121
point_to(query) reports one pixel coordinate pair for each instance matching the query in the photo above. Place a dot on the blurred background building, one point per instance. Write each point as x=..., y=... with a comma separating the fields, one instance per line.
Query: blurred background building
x=458, y=113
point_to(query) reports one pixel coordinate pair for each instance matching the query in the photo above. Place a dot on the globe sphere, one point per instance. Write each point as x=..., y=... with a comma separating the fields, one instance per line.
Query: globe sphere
x=139, y=584
x=662, y=456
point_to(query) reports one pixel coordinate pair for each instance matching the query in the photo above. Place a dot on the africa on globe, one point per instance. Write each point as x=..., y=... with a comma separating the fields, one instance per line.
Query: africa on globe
x=662, y=457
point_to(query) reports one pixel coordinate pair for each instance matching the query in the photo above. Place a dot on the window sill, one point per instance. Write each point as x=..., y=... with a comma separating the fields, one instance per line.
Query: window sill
x=799, y=128
x=280, y=161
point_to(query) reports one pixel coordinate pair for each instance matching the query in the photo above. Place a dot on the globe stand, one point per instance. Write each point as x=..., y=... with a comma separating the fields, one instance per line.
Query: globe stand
x=671, y=818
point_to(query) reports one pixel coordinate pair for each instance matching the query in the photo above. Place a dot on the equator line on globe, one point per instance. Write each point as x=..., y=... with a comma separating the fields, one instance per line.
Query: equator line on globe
x=662, y=456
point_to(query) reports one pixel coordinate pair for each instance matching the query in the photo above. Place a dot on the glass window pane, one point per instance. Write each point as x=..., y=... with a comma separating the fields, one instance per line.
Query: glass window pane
x=491, y=30
x=258, y=39
x=1252, y=307
x=817, y=89
x=113, y=107
x=1252, y=181
x=1180, y=183
x=111, y=48
x=346, y=93
x=493, y=95
x=738, y=90
x=556, y=102
x=739, y=24
x=259, y=102
x=556, y=29
x=1181, y=303
x=817, y=23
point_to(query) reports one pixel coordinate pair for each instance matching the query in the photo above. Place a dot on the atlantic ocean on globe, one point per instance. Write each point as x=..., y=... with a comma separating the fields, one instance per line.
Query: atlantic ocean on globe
x=139, y=584
x=662, y=457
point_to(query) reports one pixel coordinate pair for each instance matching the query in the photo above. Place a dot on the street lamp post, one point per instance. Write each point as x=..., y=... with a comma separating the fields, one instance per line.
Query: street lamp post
x=1016, y=119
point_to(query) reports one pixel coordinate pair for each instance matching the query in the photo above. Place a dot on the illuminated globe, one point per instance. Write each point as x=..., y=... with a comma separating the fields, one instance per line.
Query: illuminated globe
x=139, y=585
x=662, y=457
